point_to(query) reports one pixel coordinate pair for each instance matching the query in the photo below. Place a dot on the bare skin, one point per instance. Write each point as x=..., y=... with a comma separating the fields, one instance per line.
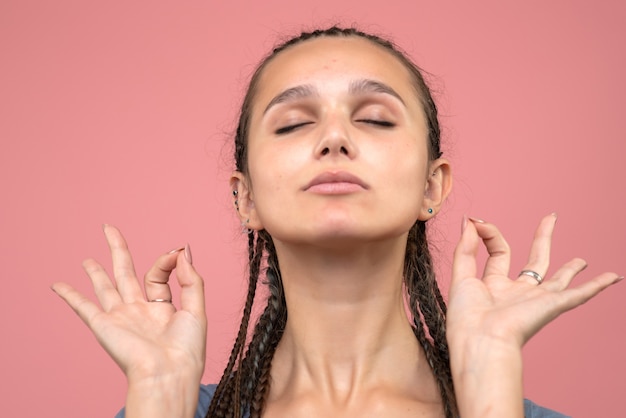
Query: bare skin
x=161, y=350
x=369, y=362
x=348, y=349
x=167, y=357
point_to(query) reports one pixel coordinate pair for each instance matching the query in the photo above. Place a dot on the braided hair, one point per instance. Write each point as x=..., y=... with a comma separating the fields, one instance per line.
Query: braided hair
x=246, y=379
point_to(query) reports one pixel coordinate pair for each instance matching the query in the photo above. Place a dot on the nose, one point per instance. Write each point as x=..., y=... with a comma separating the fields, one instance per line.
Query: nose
x=335, y=139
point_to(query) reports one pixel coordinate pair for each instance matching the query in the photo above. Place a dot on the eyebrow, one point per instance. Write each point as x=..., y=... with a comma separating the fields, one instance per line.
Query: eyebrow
x=293, y=93
x=357, y=87
x=365, y=86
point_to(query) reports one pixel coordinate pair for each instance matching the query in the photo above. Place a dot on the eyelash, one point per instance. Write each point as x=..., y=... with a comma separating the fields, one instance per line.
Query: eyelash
x=381, y=123
x=290, y=128
x=287, y=129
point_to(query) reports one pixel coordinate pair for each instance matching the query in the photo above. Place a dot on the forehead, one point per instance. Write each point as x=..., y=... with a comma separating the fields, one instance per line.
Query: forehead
x=332, y=61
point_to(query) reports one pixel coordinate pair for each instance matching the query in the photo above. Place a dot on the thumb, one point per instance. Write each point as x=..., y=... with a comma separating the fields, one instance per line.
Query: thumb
x=192, y=285
x=464, y=263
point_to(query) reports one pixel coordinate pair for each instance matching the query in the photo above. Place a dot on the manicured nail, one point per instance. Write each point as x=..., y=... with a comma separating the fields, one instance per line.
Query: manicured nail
x=188, y=254
x=477, y=220
x=176, y=250
x=463, y=223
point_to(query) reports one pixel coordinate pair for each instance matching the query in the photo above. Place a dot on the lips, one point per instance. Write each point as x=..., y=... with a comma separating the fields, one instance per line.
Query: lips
x=336, y=181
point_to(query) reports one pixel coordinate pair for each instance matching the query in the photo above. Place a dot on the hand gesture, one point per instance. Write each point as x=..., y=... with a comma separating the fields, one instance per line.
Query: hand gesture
x=512, y=310
x=146, y=336
x=490, y=318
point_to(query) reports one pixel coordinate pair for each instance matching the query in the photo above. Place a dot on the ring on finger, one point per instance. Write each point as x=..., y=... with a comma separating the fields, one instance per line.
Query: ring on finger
x=161, y=300
x=532, y=274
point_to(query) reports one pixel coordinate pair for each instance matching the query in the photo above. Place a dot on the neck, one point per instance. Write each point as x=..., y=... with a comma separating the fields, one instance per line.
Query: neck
x=347, y=329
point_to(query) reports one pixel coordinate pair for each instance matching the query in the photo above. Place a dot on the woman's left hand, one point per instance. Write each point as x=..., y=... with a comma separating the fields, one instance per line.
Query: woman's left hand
x=490, y=318
x=512, y=310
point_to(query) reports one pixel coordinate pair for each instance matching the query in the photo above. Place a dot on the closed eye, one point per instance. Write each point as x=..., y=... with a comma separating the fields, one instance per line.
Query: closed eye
x=290, y=128
x=383, y=123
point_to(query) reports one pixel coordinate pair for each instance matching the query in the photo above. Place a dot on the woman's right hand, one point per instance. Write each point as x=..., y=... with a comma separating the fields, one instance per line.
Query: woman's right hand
x=152, y=342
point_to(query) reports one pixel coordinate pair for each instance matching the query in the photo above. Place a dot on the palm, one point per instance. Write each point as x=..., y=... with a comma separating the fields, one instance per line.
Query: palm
x=143, y=336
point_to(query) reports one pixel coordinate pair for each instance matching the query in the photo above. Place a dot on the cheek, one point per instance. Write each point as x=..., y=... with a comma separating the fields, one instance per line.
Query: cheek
x=404, y=163
x=407, y=177
x=269, y=168
x=272, y=176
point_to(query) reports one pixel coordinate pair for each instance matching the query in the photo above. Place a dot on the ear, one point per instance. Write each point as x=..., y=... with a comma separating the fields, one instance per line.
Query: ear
x=243, y=201
x=437, y=188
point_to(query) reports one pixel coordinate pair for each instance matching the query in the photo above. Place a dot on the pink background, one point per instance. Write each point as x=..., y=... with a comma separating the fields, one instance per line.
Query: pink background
x=121, y=112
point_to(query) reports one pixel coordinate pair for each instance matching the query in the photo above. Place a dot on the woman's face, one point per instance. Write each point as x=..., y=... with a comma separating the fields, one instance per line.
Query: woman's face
x=337, y=150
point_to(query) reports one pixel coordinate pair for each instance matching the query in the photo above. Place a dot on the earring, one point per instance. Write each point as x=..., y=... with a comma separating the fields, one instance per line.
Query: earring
x=430, y=210
x=235, y=193
x=244, y=227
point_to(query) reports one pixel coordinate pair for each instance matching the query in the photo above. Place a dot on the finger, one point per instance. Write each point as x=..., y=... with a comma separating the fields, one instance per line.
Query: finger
x=499, y=259
x=192, y=286
x=564, y=276
x=539, y=258
x=464, y=262
x=574, y=297
x=123, y=268
x=83, y=307
x=107, y=294
x=157, y=278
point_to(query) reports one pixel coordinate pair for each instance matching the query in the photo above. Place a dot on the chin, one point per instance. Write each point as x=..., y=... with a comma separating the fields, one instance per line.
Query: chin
x=338, y=237
x=341, y=229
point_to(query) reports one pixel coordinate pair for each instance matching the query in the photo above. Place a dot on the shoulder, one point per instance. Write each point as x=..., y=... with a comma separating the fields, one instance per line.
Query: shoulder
x=532, y=410
x=204, y=400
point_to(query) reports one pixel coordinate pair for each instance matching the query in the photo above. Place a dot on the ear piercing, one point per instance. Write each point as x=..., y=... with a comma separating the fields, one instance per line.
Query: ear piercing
x=430, y=210
x=244, y=227
x=235, y=193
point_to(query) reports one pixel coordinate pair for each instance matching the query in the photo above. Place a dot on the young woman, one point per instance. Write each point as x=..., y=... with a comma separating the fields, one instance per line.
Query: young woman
x=338, y=170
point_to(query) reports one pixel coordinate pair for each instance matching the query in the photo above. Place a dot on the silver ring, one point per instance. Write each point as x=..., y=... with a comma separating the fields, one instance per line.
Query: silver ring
x=161, y=300
x=532, y=274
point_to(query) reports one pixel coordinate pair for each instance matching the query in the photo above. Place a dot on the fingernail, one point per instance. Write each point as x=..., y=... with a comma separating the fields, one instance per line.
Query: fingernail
x=188, y=254
x=463, y=223
x=176, y=250
x=477, y=220
x=618, y=279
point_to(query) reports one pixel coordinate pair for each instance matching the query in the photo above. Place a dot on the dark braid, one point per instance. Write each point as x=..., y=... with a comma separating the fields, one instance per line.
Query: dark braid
x=221, y=404
x=425, y=302
x=245, y=388
x=271, y=328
